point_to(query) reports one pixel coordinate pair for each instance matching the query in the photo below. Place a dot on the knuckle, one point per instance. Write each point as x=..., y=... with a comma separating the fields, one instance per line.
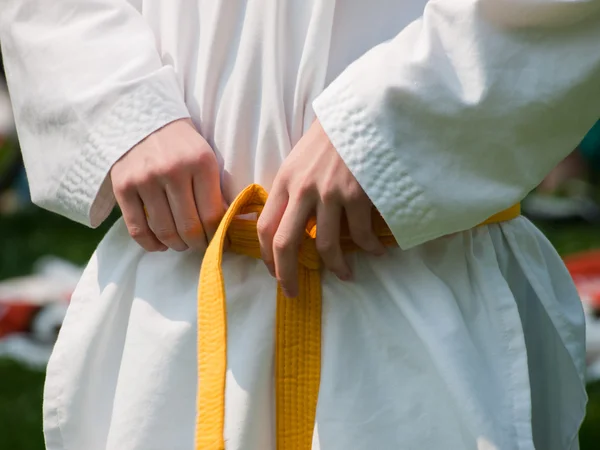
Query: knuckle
x=142, y=180
x=282, y=244
x=201, y=159
x=283, y=178
x=139, y=232
x=166, y=235
x=305, y=188
x=329, y=196
x=123, y=186
x=160, y=170
x=263, y=228
x=204, y=155
x=168, y=170
x=191, y=228
x=355, y=195
x=325, y=246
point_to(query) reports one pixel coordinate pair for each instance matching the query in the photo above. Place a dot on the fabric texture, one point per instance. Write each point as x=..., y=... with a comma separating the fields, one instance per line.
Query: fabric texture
x=467, y=342
x=463, y=338
x=297, y=330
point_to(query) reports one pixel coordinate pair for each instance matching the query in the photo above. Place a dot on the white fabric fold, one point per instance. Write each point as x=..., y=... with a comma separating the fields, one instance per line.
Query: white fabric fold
x=479, y=93
x=446, y=111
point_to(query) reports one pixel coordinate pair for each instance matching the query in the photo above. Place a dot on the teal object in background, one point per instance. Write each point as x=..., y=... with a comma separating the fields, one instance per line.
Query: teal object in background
x=590, y=147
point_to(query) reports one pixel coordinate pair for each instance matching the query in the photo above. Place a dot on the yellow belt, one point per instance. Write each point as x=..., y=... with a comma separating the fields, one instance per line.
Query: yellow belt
x=298, y=328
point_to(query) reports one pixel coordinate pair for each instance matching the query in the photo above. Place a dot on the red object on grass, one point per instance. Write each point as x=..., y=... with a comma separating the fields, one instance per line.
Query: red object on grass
x=16, y=317
x=585, y=269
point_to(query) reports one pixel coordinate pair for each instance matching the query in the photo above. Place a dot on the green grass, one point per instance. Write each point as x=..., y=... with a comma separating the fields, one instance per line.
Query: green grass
x=27, y=236
x=20, y=407
x=571, y=237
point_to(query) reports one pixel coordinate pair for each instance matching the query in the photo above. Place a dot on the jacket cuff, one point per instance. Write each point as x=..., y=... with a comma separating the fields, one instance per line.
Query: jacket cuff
x=85, y=190
x=351, y=126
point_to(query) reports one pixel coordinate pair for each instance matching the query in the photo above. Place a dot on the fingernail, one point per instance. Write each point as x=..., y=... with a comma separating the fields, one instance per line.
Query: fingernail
x=345, y=276
x=271, y=269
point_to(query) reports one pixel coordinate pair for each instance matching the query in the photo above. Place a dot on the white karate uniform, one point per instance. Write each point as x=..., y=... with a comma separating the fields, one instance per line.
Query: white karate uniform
x=446, y=111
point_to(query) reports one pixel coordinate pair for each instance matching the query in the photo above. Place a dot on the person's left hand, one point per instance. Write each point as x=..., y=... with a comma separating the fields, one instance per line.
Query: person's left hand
x=313, y=180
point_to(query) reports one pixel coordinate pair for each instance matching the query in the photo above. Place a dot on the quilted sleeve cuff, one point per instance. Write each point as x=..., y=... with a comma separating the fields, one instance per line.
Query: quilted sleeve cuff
x=367, y=152
x=85, y=190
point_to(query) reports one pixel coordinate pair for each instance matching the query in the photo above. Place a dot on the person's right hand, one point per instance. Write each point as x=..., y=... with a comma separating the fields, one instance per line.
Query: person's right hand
x=174, y=174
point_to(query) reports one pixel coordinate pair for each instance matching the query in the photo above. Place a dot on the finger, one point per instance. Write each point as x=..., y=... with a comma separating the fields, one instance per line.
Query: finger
x=268, y=223
x=135, y=219
x=360, y=226
x=180, y=195
x=160, y=217
x=328, y=240
x=209, y=201
x=286, y=244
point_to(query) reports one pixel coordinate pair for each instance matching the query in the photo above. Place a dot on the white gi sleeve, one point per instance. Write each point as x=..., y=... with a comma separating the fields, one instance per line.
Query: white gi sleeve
x=466, y=110
x=87, y=84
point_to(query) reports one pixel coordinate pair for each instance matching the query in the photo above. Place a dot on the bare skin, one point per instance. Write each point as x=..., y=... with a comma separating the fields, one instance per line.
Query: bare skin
x=314, y=180
x=174, y=174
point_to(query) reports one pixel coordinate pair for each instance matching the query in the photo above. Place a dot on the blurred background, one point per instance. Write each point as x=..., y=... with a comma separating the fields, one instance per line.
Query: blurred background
x=42, y=255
